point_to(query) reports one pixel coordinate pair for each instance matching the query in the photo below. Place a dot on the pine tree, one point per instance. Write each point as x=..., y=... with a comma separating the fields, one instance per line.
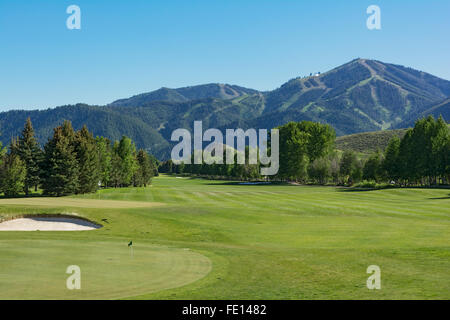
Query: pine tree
x=30, y=153
x=87, y=157
x=60, y=165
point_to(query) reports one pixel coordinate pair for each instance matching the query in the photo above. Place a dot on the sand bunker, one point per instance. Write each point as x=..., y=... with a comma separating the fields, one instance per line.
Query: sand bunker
x=48, y=224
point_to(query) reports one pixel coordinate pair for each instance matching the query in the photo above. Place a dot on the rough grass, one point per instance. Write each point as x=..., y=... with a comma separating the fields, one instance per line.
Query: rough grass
x=265, y=241
x=368, y=142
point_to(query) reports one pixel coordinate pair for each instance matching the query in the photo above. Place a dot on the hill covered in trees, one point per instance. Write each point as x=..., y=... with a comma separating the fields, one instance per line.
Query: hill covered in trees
x=436, y=110
x=359, y=96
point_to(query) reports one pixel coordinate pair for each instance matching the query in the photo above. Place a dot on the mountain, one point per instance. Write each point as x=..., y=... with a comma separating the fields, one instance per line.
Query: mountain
x=212, y=90
x=440, y=109
x=359, y=96
x=362, y=95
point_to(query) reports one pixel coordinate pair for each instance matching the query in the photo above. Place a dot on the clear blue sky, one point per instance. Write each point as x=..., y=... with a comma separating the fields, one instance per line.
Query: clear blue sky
x=129, y=47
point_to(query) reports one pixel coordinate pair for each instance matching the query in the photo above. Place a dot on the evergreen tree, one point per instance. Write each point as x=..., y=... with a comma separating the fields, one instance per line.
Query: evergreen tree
x=88, y=164
x=60, y=165
x=30, y=153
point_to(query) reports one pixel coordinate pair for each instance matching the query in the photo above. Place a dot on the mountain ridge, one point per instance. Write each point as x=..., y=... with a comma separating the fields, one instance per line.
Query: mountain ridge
x=184, y=94
x=359, y=96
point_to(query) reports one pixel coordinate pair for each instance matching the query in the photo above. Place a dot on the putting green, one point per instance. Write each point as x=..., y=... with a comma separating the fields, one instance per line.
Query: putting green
x=37, y=269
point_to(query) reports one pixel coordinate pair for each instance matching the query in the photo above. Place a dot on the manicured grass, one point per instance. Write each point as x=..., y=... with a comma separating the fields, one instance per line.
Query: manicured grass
x=34, y=269
x=77, y=203
x=264, y=242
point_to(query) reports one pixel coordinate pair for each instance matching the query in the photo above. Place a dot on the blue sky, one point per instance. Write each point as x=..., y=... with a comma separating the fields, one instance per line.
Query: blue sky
x=129, y=47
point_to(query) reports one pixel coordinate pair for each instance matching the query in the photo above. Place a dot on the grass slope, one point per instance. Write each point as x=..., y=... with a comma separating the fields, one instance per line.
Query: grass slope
x=264, y=242
x=368, y=142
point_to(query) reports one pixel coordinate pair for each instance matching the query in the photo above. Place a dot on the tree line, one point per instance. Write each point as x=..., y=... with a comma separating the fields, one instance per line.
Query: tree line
x=308, y=155
x=420, y=158
x=301, y=143
x=72, y=162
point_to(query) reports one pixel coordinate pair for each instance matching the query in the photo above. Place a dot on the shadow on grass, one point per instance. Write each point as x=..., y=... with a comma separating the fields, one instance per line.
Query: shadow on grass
x=441, y=198
x=249, y=184
x=355, y=189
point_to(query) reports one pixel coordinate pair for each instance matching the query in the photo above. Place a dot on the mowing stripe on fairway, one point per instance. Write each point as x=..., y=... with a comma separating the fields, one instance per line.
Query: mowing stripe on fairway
x=79, y=203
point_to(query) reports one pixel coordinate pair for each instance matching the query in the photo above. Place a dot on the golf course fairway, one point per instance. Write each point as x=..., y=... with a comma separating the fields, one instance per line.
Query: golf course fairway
x=209, y=239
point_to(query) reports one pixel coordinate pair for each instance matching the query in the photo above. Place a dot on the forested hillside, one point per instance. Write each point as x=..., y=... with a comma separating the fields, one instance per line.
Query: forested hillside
x=440, y=109
x=359, y=96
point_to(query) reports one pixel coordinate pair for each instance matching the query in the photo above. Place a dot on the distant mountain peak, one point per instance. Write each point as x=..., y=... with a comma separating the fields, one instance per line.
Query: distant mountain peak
x=184, y=94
